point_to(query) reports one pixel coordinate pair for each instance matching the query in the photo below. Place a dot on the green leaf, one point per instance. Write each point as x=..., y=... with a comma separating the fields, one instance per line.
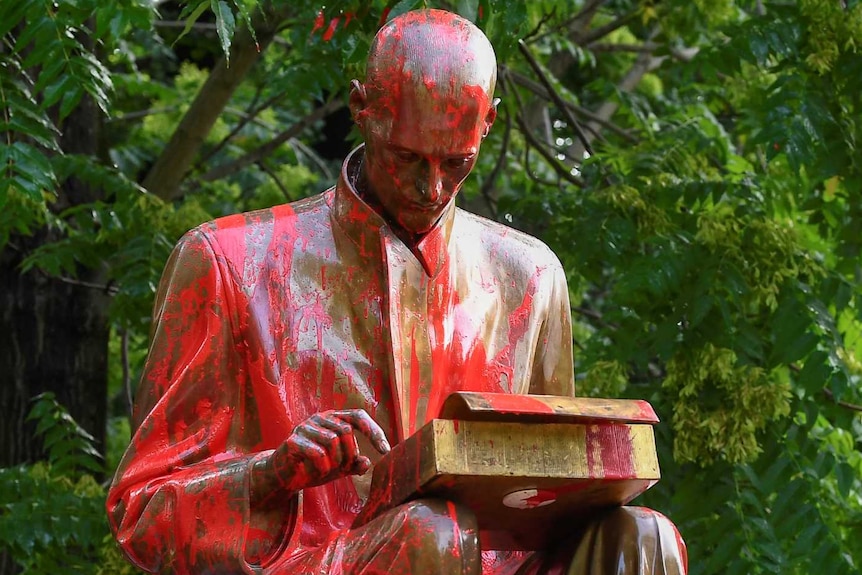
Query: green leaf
x=71, y=99
x=246, y=18
x=791, y=339
x=225, y=24
x=403, y=7
x=815, y=373
x=845, y=476
x=11, y=14
x=32, y=168
x=469, y=9
x=191, y=15
x=58, y=90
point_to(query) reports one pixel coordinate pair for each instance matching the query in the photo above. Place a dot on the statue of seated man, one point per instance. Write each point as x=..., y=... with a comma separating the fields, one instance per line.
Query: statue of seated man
x=292, y=346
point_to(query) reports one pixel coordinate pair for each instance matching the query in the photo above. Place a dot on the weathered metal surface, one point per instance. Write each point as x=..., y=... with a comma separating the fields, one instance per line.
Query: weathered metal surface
x=550, y=473
x=536, y=408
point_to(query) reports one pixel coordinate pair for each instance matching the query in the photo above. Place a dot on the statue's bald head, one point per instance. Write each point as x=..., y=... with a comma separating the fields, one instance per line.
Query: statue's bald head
x=430, y=50
x=426, y=104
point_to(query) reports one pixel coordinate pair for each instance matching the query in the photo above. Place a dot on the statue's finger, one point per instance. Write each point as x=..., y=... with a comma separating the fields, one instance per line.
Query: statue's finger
x=327, y=439
x=360, y=420
x=346, y=438
x=361, y=466
x=313, y=459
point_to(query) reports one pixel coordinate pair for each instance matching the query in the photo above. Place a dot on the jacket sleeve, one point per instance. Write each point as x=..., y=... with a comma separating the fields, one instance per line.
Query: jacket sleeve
x=553, y=364
x=179, y=501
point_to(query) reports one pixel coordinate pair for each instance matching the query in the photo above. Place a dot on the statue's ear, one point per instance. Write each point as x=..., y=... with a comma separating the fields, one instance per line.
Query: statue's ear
x=490, y=116
x=358, y=103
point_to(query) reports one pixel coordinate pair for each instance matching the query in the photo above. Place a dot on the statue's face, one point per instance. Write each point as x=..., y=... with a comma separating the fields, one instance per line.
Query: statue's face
x=420, y=146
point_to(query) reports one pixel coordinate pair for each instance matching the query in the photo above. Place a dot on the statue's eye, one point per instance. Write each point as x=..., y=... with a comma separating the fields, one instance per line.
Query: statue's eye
x=460, y=162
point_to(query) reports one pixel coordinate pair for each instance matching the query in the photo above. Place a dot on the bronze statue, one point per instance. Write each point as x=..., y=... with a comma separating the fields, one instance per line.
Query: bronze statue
x=292, y=345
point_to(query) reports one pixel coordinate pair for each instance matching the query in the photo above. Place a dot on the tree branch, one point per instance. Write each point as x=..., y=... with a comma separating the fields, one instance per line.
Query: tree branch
x=529, y=171
x=851, y=406
x=594, y=315
x=645, y=47
x=245, y=118
x=644, y=63
x=602, y=31
x=540, y=91
x=488, y=185
x=589, y=10
x=576, y=22
x=208, y=26
x=314, y=157
x=556, y=97
x=535, y=31
x=562, y=171
x=170, y=168
x=108, y=288
x=262, y=165
x=141, y=114
x=265, y=150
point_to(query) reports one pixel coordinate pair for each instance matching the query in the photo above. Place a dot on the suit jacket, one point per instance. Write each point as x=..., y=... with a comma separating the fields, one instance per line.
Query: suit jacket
x=265, y=318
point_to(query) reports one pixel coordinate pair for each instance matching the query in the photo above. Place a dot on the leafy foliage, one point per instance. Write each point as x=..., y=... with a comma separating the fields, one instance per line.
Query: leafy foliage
x=49, y=67
x=52, y=513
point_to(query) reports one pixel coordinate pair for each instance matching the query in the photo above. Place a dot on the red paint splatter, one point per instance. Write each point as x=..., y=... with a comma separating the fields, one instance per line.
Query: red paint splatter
x=615, y=445
x=319, y=21
x=541, y=497
x=507, y=403
x=330, y=30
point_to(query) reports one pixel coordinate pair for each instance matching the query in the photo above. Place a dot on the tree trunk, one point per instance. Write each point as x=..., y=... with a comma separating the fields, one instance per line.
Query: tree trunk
x=53, y=333
x=53, y=337
x=166, y=175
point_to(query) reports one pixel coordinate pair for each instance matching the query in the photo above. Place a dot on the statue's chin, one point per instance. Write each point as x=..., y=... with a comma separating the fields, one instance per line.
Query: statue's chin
x=420, y=224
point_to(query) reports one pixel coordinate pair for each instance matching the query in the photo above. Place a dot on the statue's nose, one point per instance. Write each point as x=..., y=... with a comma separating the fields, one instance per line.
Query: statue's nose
x=431, y=183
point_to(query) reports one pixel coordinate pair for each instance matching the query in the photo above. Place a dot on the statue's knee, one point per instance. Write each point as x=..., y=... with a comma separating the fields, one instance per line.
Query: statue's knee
x=442, y=529
x=647, y=534
x=640, y=520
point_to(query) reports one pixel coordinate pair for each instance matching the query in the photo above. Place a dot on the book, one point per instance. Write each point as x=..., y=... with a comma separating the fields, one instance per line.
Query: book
x=526, y=465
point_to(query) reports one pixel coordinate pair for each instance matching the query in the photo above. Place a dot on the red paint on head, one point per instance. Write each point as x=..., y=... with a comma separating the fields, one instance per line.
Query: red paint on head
x=425, y=108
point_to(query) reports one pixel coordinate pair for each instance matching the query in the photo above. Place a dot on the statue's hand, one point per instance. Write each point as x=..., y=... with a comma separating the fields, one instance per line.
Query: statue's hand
x=323, y=448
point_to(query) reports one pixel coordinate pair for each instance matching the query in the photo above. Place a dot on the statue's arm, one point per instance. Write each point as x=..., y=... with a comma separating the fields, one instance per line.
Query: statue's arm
x=180, y=500
x=553, y=364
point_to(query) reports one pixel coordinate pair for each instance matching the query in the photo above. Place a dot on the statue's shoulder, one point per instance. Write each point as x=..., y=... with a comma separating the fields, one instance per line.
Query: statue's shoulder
x=497, y=241
x=235, y=236
x=283, y=218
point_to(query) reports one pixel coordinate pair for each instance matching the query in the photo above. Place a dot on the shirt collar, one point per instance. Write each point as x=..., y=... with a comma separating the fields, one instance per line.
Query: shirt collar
x=365, y=226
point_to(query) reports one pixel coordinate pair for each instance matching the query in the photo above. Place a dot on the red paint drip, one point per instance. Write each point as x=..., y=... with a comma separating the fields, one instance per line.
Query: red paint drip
x=415, y=383
x=615, y=444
